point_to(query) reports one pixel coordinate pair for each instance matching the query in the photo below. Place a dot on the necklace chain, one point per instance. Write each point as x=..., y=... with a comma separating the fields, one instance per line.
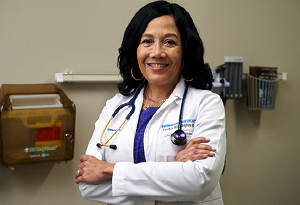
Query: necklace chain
x=146, y=96
x=160, y=101
x=146, y=106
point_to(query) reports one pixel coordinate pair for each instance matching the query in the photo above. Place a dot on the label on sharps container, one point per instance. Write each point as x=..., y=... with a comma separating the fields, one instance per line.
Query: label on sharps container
x=48, y=136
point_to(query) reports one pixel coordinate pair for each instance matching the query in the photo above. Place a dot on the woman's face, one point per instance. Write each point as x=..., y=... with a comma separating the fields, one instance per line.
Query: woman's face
x=159, y=53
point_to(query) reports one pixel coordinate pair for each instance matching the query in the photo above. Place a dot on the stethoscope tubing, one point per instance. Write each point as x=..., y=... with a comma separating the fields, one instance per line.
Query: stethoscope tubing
x=129, y=103
x=182, y=105
x=177, y=138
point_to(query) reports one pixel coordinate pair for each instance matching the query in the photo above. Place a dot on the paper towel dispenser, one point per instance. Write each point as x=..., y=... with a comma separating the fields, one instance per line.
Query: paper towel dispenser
x=37, y=124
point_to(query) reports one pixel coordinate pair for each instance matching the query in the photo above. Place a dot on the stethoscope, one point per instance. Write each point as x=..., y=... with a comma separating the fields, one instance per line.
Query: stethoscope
x=177, y=138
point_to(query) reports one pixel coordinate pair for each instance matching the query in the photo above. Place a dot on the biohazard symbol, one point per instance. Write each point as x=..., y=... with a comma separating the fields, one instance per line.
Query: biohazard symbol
x=40, y=131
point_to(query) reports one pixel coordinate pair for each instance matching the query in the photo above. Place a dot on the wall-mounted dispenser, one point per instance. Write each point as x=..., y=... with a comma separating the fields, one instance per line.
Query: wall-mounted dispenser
x=37, y=123
x=234, y=75
x=229, y=77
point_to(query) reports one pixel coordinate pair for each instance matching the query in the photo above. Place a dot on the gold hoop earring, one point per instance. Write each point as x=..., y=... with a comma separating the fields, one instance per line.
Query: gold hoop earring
x=133, y=76
x=186, y=79
x=183, y=77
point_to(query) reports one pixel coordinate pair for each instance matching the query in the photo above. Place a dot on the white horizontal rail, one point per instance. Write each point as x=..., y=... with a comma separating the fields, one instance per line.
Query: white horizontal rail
x=68, y=78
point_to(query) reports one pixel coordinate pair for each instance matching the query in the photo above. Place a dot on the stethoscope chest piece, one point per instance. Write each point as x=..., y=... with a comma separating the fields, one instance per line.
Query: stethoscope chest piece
x=178, y=138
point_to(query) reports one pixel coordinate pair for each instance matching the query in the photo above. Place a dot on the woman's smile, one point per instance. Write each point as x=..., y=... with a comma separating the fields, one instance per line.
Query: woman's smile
x=155, y=65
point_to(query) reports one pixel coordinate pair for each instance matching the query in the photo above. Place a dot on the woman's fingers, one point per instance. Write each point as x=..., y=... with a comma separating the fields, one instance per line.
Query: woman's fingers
x=195, y=150
x=93, y=171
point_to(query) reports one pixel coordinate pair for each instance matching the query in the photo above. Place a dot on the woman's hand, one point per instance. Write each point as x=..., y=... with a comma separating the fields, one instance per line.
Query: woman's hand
x=195, y=150
x=93, y=171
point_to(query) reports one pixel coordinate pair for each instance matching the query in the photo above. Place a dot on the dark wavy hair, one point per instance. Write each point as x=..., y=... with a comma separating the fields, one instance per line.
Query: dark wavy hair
x=193, y=50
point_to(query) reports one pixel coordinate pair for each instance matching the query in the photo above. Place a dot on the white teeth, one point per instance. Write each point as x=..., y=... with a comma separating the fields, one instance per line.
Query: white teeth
x=158, y=65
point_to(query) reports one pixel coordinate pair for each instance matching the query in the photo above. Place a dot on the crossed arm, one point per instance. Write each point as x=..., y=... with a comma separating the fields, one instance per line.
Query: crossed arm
x=94, y=171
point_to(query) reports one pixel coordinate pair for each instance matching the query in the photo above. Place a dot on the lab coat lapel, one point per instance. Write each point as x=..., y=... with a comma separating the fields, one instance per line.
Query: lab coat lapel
x=176, y=95
x=179, y=90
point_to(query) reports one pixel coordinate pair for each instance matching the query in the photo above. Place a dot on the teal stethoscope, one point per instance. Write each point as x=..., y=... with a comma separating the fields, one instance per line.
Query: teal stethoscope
x=177, y=138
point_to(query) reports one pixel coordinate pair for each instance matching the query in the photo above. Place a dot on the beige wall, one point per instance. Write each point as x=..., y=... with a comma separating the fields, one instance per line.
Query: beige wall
x=39, y=38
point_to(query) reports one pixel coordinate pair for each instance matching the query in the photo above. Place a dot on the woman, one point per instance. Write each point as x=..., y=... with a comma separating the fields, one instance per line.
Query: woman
x=161, y=62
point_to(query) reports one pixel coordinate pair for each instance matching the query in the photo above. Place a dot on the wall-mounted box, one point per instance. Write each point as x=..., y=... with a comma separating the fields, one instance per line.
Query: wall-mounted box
x=37, y=124
x=234, y=75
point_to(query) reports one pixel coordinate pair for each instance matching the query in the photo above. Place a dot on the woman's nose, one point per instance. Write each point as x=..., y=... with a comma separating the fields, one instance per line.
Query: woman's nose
x=158, y=51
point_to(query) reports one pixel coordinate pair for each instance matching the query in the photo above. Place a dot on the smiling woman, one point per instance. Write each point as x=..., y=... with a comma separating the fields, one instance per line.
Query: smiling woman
x=175, y=126
x=159, y=57
x=191, y=44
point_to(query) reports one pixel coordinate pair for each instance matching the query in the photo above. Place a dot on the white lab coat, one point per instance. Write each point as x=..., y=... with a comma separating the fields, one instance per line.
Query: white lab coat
x=160, y=180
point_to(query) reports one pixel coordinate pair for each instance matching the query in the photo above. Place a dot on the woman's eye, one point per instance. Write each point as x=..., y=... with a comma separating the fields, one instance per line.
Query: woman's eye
x=170, y=42
x=146, y=41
